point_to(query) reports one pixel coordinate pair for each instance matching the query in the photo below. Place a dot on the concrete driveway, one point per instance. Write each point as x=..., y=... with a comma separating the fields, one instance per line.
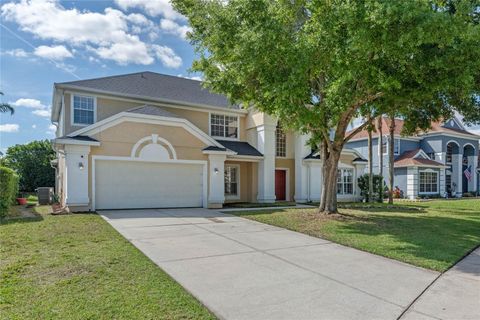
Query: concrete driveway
x=242, y=269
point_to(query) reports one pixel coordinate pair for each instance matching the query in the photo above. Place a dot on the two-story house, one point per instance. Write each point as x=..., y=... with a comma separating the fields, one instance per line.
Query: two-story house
x=147, y=140
x=441, y=162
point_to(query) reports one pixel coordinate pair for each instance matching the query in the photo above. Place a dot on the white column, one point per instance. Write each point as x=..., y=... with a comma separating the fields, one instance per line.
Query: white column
x=472, y=184
x=301, y=171
x=457, y=174
x=314, y=180
x=412, y=182
x=76, y=175
x=216, y=173
x=266, y=167
x=442, y=182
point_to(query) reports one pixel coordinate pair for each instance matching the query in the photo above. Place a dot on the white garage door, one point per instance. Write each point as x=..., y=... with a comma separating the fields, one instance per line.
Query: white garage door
x=135, y=184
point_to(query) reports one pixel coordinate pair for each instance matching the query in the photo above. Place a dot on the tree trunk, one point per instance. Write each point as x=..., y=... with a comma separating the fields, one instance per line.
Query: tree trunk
x=328, y=201
x=370, y=161
x=391, y=148
x=380, y=157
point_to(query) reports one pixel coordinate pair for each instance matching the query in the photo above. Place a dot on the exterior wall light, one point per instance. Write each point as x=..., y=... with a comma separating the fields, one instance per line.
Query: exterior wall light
x=215, y=170
x=80, y=165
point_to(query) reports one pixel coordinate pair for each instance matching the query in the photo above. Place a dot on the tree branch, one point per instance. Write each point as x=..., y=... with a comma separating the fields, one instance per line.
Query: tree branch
x=355, y=131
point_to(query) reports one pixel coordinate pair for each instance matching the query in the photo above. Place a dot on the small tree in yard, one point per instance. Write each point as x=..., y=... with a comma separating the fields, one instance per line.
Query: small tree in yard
x=31, y=161
x=314, y=64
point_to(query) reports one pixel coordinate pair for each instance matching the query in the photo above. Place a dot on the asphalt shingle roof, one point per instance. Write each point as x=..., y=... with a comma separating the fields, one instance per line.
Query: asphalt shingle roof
x=156, y=86
x=153, y=111
x=242, y=148
x=408, y=159
x=79, y=138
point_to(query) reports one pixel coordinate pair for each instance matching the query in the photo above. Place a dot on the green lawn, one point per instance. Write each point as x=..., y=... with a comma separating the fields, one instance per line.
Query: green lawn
x=432, y=234
x=78, y=267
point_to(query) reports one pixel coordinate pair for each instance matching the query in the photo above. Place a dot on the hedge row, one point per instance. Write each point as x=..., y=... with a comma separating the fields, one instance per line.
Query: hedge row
x=8, y=189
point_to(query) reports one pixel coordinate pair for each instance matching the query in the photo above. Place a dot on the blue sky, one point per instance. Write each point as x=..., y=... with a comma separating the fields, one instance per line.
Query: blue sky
x=47, y=41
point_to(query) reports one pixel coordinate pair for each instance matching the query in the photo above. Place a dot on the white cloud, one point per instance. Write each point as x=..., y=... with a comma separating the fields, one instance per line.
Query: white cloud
x=111, y=34
x=197, y=78
x=53, y=52
x=151, y=7
x=167, y=56
x=126, y=52
x=40, y=109
x=171, y=27
x=34, y=126
x=19, y=53
x=28, y=103
x=42, y=113
x=51, y=129
x=9, y=127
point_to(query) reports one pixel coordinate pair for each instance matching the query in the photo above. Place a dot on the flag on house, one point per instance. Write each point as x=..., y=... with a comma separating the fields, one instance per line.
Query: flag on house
x=468, y=173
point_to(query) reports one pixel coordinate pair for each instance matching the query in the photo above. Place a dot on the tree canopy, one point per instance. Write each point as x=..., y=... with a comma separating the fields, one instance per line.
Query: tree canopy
x=31, y=161
x=315, y=64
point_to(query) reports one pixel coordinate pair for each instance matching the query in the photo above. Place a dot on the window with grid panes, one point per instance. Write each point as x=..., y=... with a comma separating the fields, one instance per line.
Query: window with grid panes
x=83, y=110
x=224, y=126
x=280, y=142
x=344, y=181
x=428, y=182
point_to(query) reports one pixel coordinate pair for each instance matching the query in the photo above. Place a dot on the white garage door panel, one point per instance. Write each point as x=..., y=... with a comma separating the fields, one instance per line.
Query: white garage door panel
x=134, y=184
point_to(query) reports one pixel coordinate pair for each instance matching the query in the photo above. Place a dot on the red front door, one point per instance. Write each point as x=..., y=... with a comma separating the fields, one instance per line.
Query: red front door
x=280, y=184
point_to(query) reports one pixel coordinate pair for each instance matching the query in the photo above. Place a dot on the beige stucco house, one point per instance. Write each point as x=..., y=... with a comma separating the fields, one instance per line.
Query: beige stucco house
x=147, y=140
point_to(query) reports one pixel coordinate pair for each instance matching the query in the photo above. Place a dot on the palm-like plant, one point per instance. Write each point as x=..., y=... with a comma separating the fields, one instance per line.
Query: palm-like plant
x=5, y=107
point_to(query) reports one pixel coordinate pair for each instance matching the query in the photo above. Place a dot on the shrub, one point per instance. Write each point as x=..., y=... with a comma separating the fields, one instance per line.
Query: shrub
x=8, y=189
x=468, y=194
x=378, y=186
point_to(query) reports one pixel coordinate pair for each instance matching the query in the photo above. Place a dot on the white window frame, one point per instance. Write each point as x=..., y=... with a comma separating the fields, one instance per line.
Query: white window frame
x=225, y=115
x=420, y=181
x=276, y=142
x=343, y=169
x=233, y=196
x=396, y=145
x=72, y=110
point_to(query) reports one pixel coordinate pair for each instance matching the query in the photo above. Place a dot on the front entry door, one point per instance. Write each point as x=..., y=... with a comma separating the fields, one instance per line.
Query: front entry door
x=280, y=184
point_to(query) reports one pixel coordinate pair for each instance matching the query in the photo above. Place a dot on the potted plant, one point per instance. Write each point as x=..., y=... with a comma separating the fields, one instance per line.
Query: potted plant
x=21, y=200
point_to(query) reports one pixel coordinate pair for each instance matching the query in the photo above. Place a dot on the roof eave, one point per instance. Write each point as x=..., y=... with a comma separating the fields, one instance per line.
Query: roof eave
x=76, y=142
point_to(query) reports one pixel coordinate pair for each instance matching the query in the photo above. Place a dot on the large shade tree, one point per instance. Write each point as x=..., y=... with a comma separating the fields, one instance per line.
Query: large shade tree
x=315, y=63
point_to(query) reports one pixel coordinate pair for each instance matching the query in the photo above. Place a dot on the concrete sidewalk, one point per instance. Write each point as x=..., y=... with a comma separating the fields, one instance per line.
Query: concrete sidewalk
x=455, y=295
x=242, y=269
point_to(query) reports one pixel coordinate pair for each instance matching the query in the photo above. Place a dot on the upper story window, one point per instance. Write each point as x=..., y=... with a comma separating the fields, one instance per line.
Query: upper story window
x=83, y=110
x=396, y=146
x=224, y=126
x=431, y=155
x=344, y=181
x=280, y=142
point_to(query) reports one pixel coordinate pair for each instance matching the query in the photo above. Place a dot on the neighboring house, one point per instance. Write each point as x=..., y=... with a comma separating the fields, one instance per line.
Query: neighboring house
x=430, y=163
x=147, y=140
